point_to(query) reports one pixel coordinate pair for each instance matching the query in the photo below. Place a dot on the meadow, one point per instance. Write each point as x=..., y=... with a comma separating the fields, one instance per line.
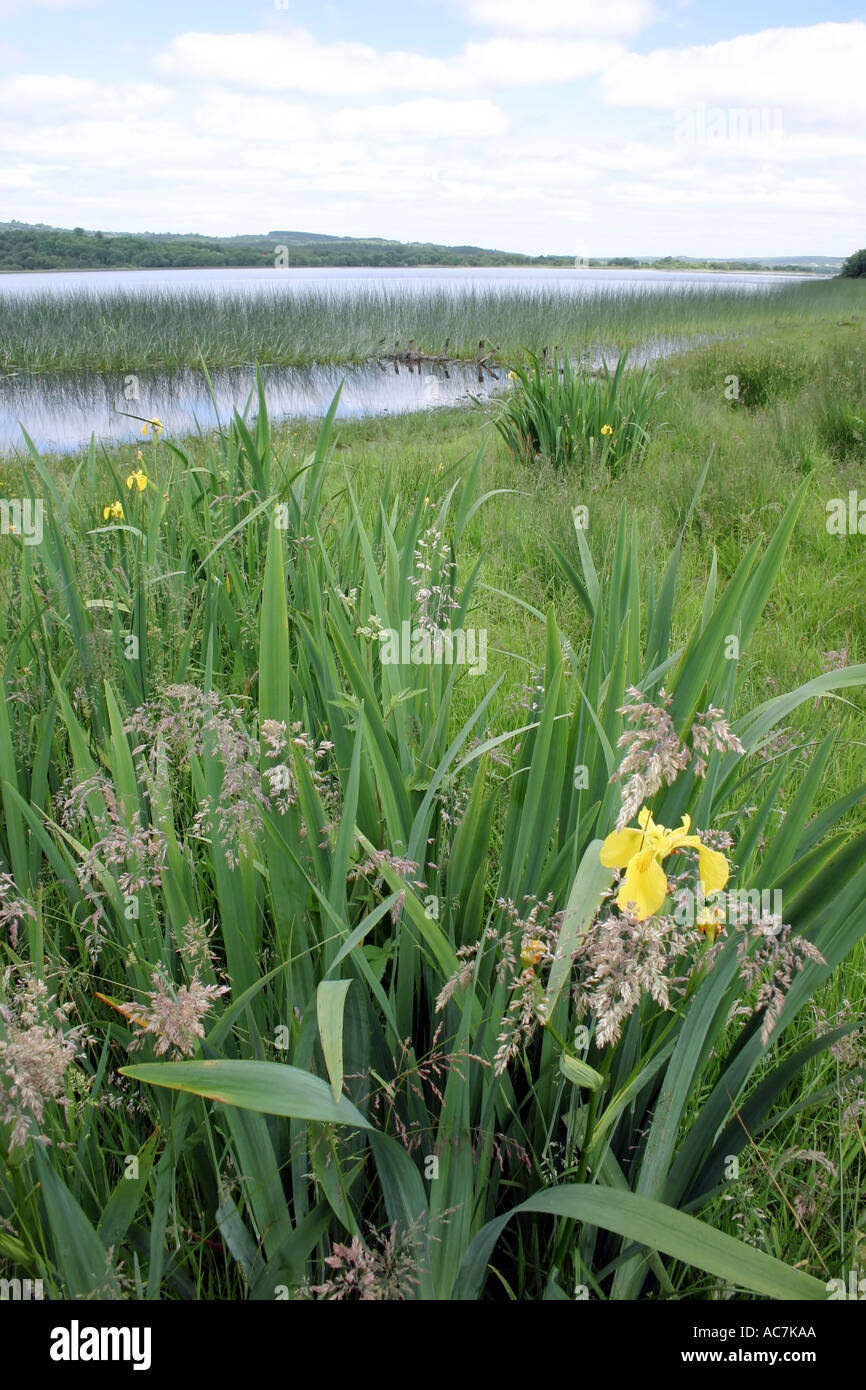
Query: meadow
x=333, y=971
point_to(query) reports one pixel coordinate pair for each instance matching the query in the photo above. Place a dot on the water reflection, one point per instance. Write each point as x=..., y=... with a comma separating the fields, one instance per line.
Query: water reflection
x=60, y=413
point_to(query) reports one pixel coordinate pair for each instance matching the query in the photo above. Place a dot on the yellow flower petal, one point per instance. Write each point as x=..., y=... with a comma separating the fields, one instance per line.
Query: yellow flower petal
x=714, y=870
x=619, y=847
x=645, y=886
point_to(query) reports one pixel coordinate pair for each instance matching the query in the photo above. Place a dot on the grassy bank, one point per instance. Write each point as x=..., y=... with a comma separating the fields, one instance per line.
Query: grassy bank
x=301, y=908
x=126, y=331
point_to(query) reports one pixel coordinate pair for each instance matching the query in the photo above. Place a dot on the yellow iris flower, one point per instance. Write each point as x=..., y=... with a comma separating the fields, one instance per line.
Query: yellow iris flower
x=640, y=852
x=533, y=952
x=607, y=429
x=137, y=479
x=711, y=923
x=116, y=509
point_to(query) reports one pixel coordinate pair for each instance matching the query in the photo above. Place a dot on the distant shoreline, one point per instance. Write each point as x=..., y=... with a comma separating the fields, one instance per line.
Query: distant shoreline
x=337, y=269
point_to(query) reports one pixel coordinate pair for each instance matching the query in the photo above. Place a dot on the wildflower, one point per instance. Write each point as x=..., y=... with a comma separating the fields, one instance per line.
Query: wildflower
x=137, y=478
x=157, y=426
x=640, y=853
x=607, y=429
x=711, y=923
x=139, y=456
x=533, y=952
x=115, y=509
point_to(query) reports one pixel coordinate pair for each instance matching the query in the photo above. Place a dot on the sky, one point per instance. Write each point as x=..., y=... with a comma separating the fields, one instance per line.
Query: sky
x=584, y=127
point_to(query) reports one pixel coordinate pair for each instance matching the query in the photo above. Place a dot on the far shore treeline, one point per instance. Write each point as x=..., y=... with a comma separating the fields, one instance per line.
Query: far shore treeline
x=27, y=248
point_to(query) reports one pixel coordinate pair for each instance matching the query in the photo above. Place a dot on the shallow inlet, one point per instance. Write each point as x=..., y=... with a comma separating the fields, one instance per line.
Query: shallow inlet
x=60, y=413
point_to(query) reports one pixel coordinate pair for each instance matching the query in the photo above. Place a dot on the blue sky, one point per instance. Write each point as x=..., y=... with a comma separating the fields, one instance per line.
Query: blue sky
x=592, y=127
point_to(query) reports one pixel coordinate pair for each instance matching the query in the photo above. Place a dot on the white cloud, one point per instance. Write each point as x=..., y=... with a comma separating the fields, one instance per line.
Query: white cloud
x=819, y=70
x=297, y=61
x=624, y=17
x=34, y=93
x=430, y=118
x=234, y=117
x=19, y=176
x=268, y=122
x=504, y=62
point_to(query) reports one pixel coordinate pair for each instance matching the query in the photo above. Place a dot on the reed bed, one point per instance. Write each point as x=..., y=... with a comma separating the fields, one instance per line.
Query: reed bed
x=132, y=330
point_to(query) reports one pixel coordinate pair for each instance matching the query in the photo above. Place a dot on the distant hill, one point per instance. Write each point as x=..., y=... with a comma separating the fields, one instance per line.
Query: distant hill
x=25, y=246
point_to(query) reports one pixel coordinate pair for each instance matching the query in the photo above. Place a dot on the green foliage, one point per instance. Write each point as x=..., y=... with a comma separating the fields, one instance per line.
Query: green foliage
x=49, y=248
x=573, y=417
x=25, y=247
x=416, y=808
x=855, y=266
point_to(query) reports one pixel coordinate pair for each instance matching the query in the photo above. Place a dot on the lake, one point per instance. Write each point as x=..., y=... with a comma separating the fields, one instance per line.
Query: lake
x=409, y=280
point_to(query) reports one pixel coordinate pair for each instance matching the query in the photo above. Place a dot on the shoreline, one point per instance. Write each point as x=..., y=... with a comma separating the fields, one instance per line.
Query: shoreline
x=659, y=269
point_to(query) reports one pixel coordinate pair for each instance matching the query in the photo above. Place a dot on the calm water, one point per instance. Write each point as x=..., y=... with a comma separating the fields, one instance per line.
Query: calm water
x=297, y=280
x=61, y=413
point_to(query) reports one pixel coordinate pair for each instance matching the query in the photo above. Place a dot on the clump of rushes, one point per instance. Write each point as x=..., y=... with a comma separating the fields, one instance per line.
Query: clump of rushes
x=572, y=416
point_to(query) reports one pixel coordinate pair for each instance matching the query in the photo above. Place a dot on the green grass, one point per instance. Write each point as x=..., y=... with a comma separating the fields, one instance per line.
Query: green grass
x=126, y=331
x=322, y=977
